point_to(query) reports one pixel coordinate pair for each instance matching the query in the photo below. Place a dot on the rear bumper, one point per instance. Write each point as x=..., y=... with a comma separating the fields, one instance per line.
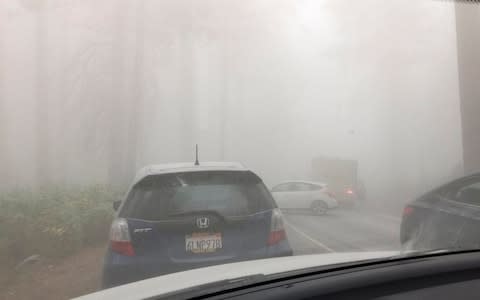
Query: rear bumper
x=333, y=203
x=347, y=201
x=119, y=269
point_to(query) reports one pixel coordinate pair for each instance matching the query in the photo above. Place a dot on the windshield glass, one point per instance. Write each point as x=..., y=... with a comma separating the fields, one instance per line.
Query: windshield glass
x=140, y=138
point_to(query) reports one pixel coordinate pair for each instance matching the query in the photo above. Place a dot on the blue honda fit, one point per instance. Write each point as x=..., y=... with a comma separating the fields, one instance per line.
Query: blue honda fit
x=180, y=217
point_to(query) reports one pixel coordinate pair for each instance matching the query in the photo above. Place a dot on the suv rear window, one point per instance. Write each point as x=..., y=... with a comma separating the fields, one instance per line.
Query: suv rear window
x=229, y=193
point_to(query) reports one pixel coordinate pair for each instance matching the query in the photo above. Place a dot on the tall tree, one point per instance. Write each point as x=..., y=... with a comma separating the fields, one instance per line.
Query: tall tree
x=4, y=159
x=115, y=156
x=42, y=103
x=41, y=140
x=136, y=102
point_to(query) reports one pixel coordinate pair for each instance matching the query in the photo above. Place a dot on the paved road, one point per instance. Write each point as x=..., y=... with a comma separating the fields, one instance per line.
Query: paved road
x=342, y=231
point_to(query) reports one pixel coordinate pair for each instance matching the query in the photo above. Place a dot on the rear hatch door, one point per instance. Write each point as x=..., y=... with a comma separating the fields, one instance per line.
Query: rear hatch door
x=199, y=217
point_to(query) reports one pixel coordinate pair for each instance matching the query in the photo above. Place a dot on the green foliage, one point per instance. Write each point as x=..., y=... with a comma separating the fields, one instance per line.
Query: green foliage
x=54, y=221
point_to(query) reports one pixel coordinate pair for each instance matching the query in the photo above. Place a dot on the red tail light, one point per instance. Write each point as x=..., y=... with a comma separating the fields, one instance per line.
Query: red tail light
x=349, y=191
x=408, y=210
x=121, y=247
x=276, y=237
x=277, y=229
x=120, y=241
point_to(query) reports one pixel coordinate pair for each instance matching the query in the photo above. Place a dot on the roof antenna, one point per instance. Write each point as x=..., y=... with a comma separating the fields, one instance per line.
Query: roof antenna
x=196, y=155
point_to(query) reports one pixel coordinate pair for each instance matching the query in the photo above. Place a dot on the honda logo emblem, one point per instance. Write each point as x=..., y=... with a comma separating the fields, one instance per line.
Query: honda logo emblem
x=203, y=222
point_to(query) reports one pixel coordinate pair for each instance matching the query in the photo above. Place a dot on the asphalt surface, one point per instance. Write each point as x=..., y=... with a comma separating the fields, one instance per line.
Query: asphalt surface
x=342, y=231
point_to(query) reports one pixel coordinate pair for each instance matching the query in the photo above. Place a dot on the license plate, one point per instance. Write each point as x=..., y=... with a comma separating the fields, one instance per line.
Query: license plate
x=203, y=242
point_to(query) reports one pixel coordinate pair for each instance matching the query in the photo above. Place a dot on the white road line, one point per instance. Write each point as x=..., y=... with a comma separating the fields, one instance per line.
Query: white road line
x=312, y=240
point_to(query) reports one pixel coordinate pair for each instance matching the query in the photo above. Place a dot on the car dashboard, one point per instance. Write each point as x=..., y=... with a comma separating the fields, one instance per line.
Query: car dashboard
x=434, y=276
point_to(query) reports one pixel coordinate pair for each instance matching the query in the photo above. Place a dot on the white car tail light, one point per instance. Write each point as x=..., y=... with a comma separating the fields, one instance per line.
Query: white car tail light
x=277, y=228
x=120, y=241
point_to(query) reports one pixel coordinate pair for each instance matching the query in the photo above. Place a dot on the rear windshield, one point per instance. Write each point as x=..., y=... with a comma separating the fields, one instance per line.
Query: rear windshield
x=230, y=193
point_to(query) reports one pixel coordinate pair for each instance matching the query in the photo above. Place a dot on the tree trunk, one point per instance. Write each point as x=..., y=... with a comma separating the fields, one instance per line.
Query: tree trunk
x=136, y=103
x=42, y=157
x=116, y=151
x=4, y=155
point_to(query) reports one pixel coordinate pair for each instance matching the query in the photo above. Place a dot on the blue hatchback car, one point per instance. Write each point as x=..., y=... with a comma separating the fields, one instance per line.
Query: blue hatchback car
x=183, y=216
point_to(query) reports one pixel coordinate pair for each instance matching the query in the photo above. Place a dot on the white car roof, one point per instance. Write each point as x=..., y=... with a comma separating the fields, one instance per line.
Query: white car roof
x=188, y=167
x=303, y=181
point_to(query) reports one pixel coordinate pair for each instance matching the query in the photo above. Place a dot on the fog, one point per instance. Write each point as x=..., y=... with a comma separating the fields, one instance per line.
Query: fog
x=90, y=91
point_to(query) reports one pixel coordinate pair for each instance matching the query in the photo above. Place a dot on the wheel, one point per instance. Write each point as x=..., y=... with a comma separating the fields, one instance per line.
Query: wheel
x=319, y=208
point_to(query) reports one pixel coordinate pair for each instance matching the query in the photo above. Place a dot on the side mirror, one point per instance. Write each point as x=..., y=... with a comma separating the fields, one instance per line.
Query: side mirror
x=116, y=204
